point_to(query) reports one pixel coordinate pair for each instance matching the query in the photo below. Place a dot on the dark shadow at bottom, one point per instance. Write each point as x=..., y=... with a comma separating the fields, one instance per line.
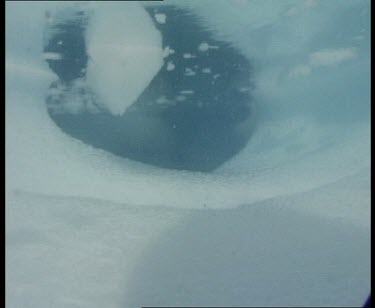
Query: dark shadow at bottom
x=253, y=256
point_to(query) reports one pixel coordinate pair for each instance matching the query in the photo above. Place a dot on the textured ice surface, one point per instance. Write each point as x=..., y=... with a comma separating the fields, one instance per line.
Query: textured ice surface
x=73, y=252
x=286, y=222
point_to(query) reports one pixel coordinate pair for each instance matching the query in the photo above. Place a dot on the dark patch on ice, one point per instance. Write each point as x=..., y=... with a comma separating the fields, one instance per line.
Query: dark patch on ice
x=168, y=127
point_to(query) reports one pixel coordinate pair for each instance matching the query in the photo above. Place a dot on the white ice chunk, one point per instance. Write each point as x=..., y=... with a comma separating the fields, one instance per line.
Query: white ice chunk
x=170, y=66
x=206, y=70
x=160, y=18
x=244, y=89
x=204, y=46
x=189, y=72
x=188, y=56
x=187, y=92
x=168, y=51
x=52, y=56
x=125, y=51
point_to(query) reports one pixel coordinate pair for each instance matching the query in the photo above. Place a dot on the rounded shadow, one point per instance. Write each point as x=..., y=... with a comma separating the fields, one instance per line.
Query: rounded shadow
x=254, y=256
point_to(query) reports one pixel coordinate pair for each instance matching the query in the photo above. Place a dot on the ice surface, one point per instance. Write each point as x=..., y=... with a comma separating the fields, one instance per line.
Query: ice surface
x=125, y=53
x=285, y=222
x=72, y=252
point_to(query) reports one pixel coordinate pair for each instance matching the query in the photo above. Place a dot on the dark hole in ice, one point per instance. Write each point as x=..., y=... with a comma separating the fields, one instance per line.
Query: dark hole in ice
x=194, y=117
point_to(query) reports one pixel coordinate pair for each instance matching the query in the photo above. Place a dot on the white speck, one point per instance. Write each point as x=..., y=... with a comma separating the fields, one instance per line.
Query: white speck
x=244, y=89
x=180, y=98
x=160, y=18
x=216, y=76
x=52, y=56
x=59, y=42
x=188, y=56
x=206, y=70
x=189, y=72
x=168, y=51
x=170, y=66
x=162, y=100
x=174, y=125
x=187, y=92
x=203, y=47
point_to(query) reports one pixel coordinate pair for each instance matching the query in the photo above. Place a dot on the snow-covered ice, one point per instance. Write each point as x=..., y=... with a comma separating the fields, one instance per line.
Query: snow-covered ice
x=286, y=222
